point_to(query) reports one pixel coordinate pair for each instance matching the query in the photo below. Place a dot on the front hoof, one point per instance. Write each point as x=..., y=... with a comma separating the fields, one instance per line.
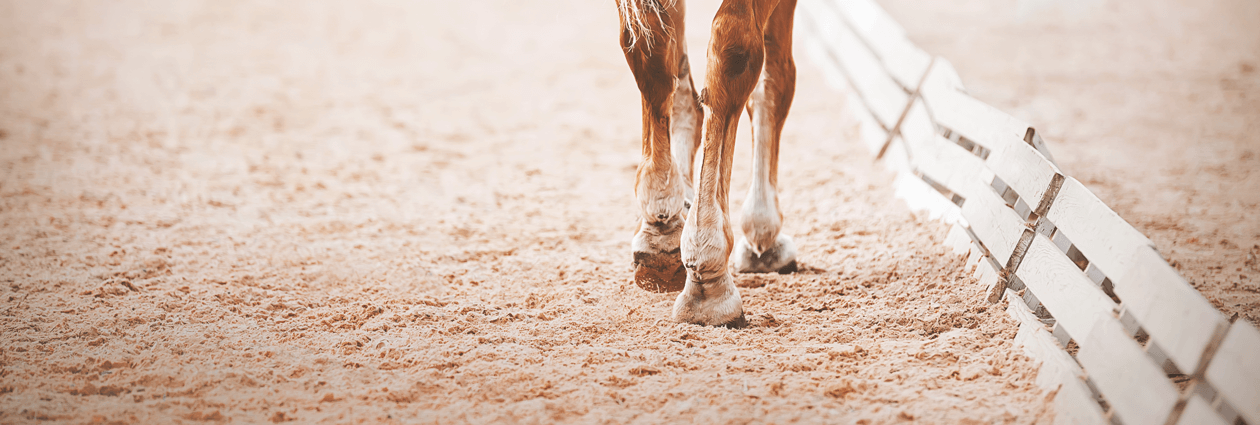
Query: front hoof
x=712, y=303
x=780, y=258
x=659, y=271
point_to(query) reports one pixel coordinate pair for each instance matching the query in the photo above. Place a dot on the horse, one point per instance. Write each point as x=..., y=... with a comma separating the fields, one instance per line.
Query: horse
x=684, y=240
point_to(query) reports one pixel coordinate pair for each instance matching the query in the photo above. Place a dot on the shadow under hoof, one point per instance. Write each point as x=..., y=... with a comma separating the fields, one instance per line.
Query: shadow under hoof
x=659, y=271
x=736, y=323
x=788, y=269
x=780, y=259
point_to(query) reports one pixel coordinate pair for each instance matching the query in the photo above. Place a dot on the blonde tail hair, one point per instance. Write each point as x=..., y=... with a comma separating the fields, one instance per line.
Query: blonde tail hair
x=633, y=14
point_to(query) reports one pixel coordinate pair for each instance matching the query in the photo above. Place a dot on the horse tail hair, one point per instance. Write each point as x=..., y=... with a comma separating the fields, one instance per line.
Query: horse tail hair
x=634, y=18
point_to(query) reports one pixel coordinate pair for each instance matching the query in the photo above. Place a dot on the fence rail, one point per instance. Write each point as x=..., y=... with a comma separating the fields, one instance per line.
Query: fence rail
x=1149, y=349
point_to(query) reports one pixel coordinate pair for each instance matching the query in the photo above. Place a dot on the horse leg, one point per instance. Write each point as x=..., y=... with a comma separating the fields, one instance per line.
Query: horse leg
x=654, y=60
x=735, y=54
x=763, y=249
x=685, y=127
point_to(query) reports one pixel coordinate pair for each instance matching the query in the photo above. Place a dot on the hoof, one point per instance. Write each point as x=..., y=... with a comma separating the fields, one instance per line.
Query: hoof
x=781, y=258
x=658, y=263
x=713, y=303
x=659, y=271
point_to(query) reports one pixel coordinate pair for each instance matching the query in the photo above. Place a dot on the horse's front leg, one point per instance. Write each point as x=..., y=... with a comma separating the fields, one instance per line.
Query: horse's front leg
x=764, y=248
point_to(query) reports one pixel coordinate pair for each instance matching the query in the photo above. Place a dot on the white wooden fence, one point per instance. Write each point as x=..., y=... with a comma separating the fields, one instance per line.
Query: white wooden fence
x=1119, y=334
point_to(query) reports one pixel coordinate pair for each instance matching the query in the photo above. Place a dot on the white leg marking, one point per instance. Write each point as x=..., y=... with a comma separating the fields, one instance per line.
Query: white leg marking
x=763, y=249
x=760, y=215
x=704, y=248
x=684, y=128
x=660, y=191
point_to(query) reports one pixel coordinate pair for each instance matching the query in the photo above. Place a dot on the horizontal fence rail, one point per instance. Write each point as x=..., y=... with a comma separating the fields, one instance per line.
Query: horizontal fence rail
x=1120, y=336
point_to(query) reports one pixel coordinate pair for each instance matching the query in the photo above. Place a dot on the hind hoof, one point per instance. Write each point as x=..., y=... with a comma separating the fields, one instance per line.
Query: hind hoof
x=712, y=303
x=657, y=259
x=781, y=258
x=659, y=271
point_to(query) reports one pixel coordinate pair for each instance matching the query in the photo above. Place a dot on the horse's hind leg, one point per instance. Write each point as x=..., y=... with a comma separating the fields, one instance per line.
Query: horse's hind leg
x=764, y=249
x=655, y=60
x=736, y=52
x=685, y=126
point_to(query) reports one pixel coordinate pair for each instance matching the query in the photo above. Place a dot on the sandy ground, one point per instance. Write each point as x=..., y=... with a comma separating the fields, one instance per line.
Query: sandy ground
x=1154, y=105
x=230, y=211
